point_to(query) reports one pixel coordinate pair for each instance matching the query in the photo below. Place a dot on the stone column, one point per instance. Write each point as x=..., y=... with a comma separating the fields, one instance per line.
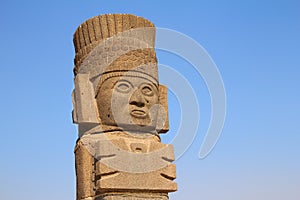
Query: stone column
x=120, y=109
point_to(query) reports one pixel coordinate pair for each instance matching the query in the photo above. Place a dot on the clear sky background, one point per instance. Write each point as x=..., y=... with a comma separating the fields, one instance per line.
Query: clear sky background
x=256, y=46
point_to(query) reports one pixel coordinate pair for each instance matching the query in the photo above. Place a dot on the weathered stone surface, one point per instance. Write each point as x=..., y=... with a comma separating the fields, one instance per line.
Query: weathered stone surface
x=84, y=163
x=83, y=96
x=162, y=125
x=157, y=181
x=133, y=196
x=120, y=109
x=135, y=162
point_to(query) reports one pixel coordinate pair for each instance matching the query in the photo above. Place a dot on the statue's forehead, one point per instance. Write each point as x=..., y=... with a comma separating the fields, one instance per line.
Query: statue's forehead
x=133, y=80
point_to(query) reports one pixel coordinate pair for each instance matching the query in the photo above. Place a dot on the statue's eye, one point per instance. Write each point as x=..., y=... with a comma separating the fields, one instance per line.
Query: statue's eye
x=147, y=90
x=123, y=87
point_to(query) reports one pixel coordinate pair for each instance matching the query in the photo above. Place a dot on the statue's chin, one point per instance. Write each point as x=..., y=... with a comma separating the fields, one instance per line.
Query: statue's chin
x=138, y=121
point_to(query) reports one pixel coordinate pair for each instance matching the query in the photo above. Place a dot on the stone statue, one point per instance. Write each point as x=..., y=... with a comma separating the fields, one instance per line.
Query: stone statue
x=120, y=109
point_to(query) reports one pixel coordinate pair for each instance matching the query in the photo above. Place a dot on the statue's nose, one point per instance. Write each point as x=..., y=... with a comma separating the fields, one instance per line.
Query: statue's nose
x=137, y=99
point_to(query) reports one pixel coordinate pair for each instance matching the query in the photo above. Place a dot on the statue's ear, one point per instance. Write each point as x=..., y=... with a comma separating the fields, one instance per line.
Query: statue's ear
x=85, y=112
x=162, y=124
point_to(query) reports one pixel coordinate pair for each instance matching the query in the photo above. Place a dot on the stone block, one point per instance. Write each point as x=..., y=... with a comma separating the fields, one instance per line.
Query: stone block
x=84, y=164
x=84, y=101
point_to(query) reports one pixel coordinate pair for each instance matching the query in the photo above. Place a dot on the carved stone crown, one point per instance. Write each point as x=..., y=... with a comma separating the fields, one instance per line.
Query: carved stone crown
x=129, y=32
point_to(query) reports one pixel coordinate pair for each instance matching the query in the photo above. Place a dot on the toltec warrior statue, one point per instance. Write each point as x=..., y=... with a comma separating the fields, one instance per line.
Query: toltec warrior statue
x=120, y=109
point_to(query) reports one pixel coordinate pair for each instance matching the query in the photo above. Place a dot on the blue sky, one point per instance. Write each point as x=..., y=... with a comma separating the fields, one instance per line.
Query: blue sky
x=255, y=46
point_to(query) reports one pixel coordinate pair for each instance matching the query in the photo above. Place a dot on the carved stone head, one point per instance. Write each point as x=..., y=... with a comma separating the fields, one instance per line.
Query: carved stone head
x=127, y=95
x=116, y=78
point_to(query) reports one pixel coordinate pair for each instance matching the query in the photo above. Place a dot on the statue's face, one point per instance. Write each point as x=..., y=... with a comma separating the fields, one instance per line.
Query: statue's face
x=128, y=102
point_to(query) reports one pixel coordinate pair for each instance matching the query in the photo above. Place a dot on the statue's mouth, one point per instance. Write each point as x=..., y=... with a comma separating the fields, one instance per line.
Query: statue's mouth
x=138, y=113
